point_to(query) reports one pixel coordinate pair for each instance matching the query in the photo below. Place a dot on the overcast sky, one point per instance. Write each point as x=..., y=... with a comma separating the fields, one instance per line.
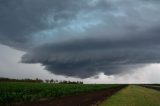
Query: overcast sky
x=97, y=41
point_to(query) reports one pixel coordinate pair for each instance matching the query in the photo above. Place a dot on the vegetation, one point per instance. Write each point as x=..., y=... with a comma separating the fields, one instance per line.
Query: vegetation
x=23, y=91
x=40, y=81
x=21, y=80
x=134, y=96
x=152, y=86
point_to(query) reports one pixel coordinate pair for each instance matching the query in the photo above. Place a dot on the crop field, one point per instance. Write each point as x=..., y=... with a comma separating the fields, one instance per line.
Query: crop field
x=134, y=96
x=44, y=94
x=23, y=91
x=153, y=86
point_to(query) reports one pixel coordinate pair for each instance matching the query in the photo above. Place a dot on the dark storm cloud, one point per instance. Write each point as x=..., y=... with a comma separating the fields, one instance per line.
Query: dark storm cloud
x=85, y=58
x=20, y=19
x=82, y=38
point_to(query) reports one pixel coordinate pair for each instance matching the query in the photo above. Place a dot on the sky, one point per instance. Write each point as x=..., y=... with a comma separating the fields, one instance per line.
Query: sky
x=96, y=41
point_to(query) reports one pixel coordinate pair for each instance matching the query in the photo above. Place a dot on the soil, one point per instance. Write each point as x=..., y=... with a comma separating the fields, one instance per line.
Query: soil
x=85, y=99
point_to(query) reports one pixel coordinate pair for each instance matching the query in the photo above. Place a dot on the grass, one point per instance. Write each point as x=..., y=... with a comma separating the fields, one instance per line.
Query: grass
x=134, y=96
x=21, y=91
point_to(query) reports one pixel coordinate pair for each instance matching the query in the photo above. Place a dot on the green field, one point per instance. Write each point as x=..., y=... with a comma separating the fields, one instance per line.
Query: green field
x=154, y=86
x=134, y=96
x=22, y=91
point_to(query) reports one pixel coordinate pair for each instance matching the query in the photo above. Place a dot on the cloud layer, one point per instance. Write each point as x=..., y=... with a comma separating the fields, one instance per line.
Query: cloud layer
x=83, y=38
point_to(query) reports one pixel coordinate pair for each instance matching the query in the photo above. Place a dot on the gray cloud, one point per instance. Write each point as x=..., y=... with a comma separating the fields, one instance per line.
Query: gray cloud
x=20, y=19
x=87, y=57
x=83, y=38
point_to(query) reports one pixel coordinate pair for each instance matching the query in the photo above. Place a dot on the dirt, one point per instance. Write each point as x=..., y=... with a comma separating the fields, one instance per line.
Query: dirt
x=85, y=99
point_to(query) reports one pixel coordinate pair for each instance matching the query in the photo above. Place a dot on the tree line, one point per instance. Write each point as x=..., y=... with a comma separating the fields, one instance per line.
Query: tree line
x=37, y=80
x=63, y=82
x=21, y=80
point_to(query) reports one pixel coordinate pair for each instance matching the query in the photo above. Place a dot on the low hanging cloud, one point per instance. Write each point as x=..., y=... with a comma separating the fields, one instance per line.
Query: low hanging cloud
x=85, y=58
x=83, y=38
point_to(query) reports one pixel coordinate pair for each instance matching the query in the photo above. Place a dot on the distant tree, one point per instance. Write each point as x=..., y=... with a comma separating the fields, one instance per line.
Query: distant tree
x=56, y=81
x=41, y=81
x=51, y=81
x=47, y=81
x=22, y=80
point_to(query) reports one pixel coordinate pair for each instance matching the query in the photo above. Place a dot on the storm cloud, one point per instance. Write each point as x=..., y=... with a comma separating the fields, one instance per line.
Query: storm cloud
x=85, y=58
x=82, y=38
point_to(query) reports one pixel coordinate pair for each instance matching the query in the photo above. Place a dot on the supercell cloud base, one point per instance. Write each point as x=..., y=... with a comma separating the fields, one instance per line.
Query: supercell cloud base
x=83, y=38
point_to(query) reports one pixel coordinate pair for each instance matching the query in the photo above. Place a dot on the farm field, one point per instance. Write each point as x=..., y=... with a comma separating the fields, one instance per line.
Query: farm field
x=153, y=86
x=11, y=92
x=134, y=95
x=46, y=94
